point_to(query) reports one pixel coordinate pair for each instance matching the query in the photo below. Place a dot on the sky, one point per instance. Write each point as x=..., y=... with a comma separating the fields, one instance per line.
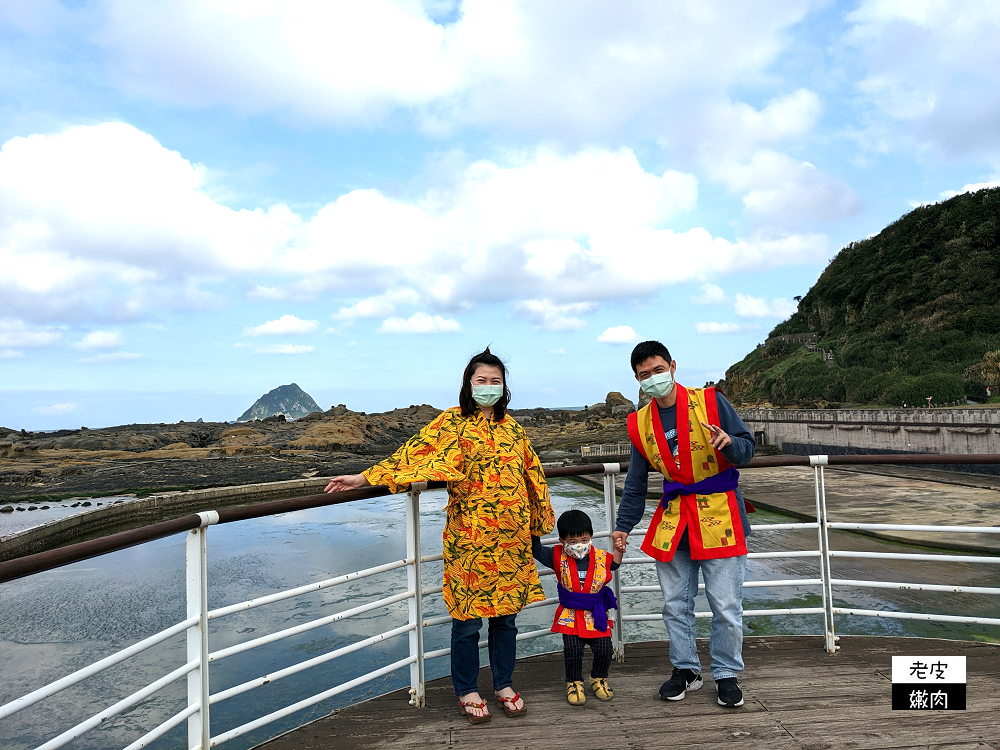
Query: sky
x=201, y=200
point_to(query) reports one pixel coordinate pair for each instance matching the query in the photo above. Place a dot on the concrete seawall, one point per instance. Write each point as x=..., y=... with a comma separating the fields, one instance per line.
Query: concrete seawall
x=853, y=431
x=148, y=510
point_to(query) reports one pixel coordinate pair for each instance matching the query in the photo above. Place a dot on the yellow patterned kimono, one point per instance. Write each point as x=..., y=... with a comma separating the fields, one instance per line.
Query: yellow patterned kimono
x=497, y=498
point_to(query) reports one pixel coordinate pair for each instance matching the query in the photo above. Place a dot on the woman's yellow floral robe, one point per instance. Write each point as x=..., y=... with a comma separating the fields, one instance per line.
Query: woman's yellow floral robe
x=497, y=498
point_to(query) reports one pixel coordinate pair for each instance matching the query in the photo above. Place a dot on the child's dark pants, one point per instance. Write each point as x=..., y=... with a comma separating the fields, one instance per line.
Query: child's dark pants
x=601, y=648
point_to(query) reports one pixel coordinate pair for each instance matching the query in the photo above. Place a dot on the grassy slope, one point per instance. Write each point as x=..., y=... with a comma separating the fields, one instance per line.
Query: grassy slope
x=905, y=312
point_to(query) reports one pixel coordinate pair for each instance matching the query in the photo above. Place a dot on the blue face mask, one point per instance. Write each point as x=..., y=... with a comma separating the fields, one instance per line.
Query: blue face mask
x=658, y=385
x=487, y=395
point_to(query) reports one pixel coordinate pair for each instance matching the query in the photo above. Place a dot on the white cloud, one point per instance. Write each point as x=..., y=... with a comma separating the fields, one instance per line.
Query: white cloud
x=519, y=66
x=419, y=322
x=548, y=316
x=15, y=332
x=711, y=294
x=100, y=340
x=283, y=349
x=10, y=353
x=283, y=326
x=618, y=335
x=55, y=409
x=378, y=305
x=102, y=222
x=970, y=188
x=734, y=130
x=931, y=75
x=112, y=357
x=718, y=327
x=560, y=350
x=747, y=306
x=779, y=189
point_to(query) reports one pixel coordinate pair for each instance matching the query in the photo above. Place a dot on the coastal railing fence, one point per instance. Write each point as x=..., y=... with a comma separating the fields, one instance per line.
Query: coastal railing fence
x=197, y=710
x=608, y=449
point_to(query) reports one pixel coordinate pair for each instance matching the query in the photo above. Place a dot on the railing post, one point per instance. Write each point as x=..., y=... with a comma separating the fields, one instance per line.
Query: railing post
x=617, y=635
x=196, y=564
x=819, y=480
x=414, y=581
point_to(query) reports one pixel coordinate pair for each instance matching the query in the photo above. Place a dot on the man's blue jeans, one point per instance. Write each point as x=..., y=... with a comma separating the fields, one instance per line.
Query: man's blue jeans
x=501, y=645
x=724, y=589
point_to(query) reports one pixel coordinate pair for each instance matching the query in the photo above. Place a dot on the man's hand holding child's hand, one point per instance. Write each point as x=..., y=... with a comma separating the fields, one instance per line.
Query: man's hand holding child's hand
x=620, y=539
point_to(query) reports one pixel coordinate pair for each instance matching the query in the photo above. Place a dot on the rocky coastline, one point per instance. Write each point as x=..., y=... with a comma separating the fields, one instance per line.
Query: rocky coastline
x=143, y=459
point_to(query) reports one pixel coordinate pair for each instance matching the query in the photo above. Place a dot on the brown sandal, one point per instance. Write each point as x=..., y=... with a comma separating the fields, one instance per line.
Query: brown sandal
x=473, y=719
x=502, y=702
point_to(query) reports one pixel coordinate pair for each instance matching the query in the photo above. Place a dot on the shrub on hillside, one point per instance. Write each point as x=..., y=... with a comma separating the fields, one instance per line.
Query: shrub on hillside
x=863, y=385
x=941, y=387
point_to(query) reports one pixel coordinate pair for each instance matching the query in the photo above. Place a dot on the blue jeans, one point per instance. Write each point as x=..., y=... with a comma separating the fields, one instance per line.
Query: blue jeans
x=501, y=645
x=724, y=589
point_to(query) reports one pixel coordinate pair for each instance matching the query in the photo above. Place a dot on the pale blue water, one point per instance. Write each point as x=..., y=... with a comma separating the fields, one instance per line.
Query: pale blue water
x=22, y=519
x=56, y=622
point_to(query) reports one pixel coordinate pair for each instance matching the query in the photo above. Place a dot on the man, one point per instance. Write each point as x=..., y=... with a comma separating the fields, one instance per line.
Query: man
x=694, y=437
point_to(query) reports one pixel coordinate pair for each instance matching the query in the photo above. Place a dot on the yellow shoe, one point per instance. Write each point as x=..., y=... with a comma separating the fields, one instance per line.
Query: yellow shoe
x=601, y=688
x=574, y=693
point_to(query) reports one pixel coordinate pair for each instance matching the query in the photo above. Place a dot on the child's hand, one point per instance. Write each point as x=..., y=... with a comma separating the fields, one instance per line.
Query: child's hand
x=621, y=540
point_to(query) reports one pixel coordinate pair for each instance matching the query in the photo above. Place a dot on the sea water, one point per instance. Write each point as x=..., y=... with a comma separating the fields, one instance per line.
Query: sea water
x=56, y=622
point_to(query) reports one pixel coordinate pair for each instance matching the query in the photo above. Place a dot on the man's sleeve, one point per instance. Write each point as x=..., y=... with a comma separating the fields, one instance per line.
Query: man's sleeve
x=741, y=450
x=633, y=503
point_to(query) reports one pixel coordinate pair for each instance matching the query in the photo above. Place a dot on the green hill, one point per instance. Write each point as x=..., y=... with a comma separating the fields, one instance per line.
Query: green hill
x=911, y=312
x=289, y=400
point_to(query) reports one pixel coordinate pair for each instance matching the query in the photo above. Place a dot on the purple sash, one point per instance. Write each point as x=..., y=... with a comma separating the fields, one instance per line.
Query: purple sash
x=598, y=603
x=724, y=481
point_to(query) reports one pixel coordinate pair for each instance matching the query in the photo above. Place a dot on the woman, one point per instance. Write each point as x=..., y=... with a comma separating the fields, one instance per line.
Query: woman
x=497, y=498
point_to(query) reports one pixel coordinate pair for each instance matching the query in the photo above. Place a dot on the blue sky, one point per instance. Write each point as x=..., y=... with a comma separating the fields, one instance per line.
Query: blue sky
x=201, y=200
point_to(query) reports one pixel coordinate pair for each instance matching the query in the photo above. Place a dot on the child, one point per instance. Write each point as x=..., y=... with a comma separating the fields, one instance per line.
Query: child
x=584, y=601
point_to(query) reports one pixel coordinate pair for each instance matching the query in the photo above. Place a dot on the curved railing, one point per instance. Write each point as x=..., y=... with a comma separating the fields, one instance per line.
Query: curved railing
x=196, y=670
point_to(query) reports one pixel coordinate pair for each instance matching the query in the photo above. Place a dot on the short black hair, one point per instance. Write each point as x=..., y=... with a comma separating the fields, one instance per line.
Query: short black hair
x=465, y=400
x=574, y=522
x=646, y=349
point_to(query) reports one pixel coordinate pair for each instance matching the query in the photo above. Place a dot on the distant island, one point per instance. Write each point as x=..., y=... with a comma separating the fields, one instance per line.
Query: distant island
x=910, y=313
x=289, y=401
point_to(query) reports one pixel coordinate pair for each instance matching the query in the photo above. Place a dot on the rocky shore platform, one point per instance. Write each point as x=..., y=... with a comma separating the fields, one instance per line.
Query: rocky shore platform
x=142, y=459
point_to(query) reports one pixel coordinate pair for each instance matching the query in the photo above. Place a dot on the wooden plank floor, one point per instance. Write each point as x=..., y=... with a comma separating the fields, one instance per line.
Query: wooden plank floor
x=797, y=696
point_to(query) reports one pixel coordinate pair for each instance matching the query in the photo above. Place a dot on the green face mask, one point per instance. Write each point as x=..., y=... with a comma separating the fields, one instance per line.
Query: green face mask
x=658, y=385
x=487, y=395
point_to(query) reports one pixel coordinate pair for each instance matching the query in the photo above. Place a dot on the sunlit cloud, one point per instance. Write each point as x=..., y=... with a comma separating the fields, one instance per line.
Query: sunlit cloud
x=419, y=322
x=285, y=325
x=618, y=335
x=100, y=340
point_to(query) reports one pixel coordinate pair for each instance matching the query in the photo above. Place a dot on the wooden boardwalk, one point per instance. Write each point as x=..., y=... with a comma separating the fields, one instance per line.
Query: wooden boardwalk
x=797, y=696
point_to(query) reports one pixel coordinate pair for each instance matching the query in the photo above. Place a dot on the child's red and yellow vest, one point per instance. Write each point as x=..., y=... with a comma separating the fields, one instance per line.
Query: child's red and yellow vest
x=712, y=521
x=598, y=574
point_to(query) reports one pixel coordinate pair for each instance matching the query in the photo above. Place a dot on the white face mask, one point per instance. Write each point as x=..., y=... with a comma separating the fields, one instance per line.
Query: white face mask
x=658, y=385
x=487, y=395
x=579, y=550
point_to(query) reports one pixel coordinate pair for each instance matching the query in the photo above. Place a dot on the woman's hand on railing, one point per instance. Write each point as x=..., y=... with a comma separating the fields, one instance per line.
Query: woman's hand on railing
x=346, y=482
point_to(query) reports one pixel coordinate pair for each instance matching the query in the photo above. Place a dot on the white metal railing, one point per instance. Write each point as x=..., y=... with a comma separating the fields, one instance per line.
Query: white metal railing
x=198, y=658
x=608, y=449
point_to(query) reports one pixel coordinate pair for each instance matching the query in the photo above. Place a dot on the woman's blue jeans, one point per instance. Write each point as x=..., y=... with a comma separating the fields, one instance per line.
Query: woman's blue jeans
x=501, y=644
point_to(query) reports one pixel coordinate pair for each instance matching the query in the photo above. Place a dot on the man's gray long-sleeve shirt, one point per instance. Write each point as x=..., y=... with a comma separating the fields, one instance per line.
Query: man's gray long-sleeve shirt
x=738, y=453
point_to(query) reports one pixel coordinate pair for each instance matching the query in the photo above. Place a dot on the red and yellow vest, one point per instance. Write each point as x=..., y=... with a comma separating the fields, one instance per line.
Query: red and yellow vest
x=598, y=574
x=712, y=521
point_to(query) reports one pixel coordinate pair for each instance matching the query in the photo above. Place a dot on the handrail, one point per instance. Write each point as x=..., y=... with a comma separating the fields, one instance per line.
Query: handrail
x=39, y=562
x=199, y=698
